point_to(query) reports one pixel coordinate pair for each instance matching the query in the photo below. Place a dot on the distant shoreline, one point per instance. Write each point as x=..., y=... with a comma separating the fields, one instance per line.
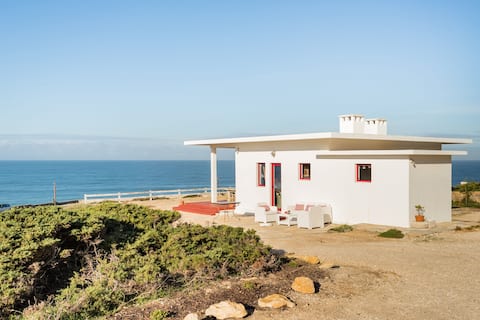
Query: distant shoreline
x=30, y=182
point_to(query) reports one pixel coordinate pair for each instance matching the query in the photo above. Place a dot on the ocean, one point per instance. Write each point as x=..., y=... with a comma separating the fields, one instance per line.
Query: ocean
x=31, y=182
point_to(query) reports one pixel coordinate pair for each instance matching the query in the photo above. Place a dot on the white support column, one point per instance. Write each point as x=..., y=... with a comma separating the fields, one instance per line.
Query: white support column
x=213, y=173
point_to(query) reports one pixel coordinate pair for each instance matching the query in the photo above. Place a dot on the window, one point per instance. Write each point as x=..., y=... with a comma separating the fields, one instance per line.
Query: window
x=261, y=174
x=364, y=172
x=304, y=171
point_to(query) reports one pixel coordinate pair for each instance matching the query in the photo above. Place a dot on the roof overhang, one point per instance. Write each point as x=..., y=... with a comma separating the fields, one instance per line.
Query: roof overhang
x=235, y=142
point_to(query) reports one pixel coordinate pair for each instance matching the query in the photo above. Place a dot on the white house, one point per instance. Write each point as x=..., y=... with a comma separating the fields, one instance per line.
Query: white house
x=366, y=175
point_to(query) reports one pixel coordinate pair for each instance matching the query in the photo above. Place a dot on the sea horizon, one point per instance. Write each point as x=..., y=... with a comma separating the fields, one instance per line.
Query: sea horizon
x=30, y=182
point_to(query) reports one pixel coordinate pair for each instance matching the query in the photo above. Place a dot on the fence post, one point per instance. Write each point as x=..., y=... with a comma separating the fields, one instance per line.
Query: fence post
x=119, y=197
x=150, y=193
x=85, y=198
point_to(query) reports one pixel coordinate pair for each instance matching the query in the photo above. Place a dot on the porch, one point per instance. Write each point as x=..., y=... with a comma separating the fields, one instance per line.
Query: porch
x=205, y=207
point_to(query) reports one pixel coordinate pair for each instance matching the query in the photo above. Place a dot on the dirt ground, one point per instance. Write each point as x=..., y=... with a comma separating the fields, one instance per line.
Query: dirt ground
x=430, y=274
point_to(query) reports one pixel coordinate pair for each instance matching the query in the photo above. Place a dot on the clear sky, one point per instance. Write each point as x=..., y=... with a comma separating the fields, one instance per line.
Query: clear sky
x=134, y=79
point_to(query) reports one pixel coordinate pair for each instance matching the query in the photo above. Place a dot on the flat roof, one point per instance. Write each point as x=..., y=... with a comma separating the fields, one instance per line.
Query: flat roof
x=232, y=142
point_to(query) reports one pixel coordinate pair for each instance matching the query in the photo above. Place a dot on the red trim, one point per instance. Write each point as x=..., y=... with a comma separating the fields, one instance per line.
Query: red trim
x=357, y=172
x=259, y=165
x=272, y=193
x=300, y=174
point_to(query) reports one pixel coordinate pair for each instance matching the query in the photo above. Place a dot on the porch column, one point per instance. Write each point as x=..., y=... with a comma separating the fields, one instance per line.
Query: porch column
x=213, y=173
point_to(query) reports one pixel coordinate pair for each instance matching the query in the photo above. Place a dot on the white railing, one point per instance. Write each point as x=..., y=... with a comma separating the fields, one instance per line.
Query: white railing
x=151, y=194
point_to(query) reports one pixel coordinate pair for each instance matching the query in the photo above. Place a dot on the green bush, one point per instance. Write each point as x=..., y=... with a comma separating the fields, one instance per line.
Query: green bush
x=467, y=190
x=159, y=315
x=470, y=186
x=392, y=233
x=86, y=262
x=342, y=228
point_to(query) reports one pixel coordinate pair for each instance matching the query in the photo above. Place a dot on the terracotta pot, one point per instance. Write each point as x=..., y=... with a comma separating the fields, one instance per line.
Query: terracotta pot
x=419, y=218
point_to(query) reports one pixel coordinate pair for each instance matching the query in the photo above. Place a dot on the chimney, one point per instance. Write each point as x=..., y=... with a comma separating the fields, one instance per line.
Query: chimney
x=376, y=126
x=352, y=123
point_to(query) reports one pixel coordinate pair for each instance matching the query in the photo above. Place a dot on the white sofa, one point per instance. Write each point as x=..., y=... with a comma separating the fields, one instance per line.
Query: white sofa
x=313, y=215
x=265, y=213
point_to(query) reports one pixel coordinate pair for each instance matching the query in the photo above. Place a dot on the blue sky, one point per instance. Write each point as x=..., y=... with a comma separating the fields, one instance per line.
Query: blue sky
x=134, y=79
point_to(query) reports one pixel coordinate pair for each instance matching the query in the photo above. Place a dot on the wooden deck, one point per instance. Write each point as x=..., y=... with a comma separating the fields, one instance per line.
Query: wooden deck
x=204, y=207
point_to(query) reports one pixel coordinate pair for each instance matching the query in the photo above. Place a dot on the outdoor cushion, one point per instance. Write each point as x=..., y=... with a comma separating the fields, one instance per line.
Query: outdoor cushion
x=267, y=207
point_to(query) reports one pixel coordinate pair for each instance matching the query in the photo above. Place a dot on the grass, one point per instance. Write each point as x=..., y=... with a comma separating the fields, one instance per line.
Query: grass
x=470, y=228
x=148, y=199
x=342, y=228
x=392, y=234
x=159, y=315
x=191, y=196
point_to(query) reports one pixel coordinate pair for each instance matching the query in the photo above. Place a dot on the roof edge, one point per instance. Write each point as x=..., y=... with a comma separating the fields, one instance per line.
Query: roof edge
x=324, y=135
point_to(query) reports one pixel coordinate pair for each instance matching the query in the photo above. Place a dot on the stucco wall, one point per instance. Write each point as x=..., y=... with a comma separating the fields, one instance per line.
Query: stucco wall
x=385, y=200
x=430, y=186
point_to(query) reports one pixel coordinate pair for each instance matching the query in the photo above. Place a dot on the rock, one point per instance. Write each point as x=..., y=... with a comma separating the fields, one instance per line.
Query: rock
x=191, y=316
x=275, y=301
x=307, y=259
x=310, y=259
x=303, y=285
x=327, y=265
x=226, y=309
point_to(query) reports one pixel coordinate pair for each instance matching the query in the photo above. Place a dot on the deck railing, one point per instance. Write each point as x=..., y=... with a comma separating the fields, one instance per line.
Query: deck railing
x=152, y=194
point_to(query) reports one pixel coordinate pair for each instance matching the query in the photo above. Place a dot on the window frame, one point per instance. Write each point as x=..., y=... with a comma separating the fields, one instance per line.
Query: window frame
x=301, y=169
x=261, y=183
x=357, y=172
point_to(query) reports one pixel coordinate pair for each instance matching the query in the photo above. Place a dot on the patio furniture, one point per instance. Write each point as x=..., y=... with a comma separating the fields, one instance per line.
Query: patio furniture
x=313, y=216
x=287, y=218
x=265, y=213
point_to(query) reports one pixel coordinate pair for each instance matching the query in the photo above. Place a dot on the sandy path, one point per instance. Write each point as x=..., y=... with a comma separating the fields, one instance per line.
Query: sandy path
x=430, y=274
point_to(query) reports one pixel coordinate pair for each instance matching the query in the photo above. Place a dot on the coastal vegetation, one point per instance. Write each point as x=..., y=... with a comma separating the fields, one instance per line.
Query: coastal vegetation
x=342, y=228
x=468, y=195
x=392, y=234
x=88, y=261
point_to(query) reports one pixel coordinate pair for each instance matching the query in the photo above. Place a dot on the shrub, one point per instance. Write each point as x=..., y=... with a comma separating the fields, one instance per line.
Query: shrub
x=92, y=259
x=342, y=228
x=159, y=315
x=220, y=252
x=392, y=233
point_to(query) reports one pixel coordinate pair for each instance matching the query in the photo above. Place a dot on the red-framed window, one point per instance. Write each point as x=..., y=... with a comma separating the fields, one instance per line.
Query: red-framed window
x=364, y=172
x=305, y=172
x=261, y=174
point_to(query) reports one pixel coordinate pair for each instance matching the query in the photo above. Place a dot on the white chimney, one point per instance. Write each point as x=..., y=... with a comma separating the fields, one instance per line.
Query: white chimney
x=376, y=126
x=352, y=123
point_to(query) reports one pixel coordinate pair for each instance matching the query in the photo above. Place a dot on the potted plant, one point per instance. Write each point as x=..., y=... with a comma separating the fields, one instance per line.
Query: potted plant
x=419, y=216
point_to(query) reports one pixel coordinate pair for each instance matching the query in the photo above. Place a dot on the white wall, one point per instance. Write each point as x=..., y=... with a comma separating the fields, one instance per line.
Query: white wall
x=247, y=191
x=430, y=186
x=385, y=200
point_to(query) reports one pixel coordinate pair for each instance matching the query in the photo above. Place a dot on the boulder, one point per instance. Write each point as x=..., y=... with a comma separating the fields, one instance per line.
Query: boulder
x=226, y=309
x=191, y=316
x=275, y=301
x=309, y=259
x=303, y=285
x=327, y=265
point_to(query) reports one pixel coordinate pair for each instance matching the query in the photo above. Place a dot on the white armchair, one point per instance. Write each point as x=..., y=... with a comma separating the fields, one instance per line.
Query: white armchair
x=265, y=213
x=314, y=216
